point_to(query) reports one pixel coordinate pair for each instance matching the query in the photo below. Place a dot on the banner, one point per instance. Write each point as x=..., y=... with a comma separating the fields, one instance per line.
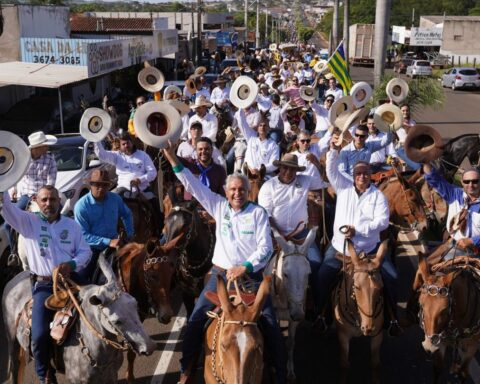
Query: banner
x=426, y=37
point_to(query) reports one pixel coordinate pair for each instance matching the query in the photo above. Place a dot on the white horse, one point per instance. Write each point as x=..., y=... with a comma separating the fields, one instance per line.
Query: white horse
x=88, y=358
x=290, y=270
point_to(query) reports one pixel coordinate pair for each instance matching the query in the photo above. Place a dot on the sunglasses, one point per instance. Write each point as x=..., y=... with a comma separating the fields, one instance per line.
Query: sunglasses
x=360, y=136
x=305, y=141
x=472, y=181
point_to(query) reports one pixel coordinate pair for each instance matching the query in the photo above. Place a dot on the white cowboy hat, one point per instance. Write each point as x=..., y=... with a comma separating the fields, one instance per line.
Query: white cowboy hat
x=201, y=101
x=347, y=119
x=321, y=66
x=95, y=124
x=273, y=47
x=344, y=104
x=308, y=93
x=171, y=89
x=14, y=159
x=329, y=76
x=165, y=116
x=397, y=90
x=200, y=71
x=386, y=116
x=39, y=139
x=151, y=79
x=243, y=92
x=361, y=93
x=180, y=106
x=190, y=84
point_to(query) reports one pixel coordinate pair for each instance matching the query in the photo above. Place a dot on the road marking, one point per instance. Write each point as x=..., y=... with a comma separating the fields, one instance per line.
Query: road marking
x=166, y=357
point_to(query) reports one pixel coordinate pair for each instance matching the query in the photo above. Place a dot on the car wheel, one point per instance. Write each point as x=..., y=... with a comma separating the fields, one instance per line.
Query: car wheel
x=453, y=86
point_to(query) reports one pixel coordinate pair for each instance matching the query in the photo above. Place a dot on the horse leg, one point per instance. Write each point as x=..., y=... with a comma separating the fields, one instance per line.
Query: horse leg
x=292, y=330
x=375, y=344
x=131, y=361
x=344, y=341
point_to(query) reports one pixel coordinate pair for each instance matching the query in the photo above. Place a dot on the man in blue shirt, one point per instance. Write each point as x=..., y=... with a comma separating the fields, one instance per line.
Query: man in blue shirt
x=98, y=213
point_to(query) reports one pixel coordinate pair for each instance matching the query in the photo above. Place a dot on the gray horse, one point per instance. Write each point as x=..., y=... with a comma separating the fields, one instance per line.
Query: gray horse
x=110, y=310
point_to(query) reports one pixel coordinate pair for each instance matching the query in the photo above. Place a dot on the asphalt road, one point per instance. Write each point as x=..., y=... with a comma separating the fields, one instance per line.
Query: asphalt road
x=403, y=359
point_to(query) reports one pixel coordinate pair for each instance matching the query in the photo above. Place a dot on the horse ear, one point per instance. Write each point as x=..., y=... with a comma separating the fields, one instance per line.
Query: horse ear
x=382, y=251
x=284, y=244
x=262, y=295
x=422, y=272
x=222, y=293
x=106, y=270
x=263, y=171
x=352, y=252
x=171, y=244
x=447, y=279
x=309, y=240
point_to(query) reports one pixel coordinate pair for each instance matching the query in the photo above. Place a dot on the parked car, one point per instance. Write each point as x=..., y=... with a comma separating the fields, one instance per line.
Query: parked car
x=75, y=160
x=461, y=78
x=402, y=65
x=419, y=68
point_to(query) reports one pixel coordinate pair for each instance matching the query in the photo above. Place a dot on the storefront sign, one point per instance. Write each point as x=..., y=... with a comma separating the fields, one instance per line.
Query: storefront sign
x=54, y=51
x=167, y=41
x=426, y=37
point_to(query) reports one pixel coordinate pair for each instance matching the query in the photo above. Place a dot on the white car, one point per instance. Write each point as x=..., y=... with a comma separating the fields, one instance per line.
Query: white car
x=419, y=68
x=461, y=78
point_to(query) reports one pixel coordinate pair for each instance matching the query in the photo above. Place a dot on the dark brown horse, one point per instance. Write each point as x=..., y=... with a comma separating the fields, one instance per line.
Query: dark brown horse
x=456, y=150
x=450, y=312
x=146, y=272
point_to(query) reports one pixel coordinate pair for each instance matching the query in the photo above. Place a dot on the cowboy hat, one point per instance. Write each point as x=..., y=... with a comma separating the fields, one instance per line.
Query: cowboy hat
x=308, y=93
x=200, y=71
x=58, y=300
x=344, y=104
x=180, y=106
x=201, y=101
x=95, y=124
x=347, y=119
x=161, y=116
x=220, y=80
x=171, y=89
x=386, y=116
x=423, y=144
x=190, y=85
x=273, y=47
x=361, y=92
x=292, y=106
x=397, y=90
x=99, y=176
x=321, y=66
x=243, y=92
x=329, y=76
x=14, y=159
x=289, y=160
x=151, y=79
x=39, y=139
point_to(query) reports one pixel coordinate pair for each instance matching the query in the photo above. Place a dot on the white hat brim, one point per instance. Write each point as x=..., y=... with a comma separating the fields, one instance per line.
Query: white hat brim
x=362, y=85
x=386, y=116
x=95, y=133
x=243, y=84
x=14, y=159
x=392, y=84
x=306, y=97
x=146, y=77
x=344, y=104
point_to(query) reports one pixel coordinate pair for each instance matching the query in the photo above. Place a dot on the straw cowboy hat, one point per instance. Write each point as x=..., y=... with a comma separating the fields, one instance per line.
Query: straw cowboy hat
x=220, y=80
x=190, y=84
x=39, y=139
x=397, y=90
x=361, y=93
x=289, y=160
x=423, y=144
x=386, y=116
x=201, y=101
x=243, y=92
x=99, y=176
x=172, y=89
x=14, y=159
x=180, y=106
x=329, y=76
x=95, y=124
x=349, y=119
x=200, y=71
x=292, y=106
x=151, y=79
x=308, y=93
x=344, y=104
x=321, y=66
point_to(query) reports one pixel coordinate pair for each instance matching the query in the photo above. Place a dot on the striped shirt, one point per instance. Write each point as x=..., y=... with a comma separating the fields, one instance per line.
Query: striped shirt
x=42, y=171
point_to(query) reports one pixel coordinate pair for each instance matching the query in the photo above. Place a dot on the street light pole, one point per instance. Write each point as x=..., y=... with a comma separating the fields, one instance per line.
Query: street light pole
x=199, y=31
x=257, y=26
x=382, y=21
x=246, y=24
x=266, y=26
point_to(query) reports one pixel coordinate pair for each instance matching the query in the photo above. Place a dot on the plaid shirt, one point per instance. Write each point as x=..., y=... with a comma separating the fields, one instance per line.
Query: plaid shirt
x=42, y=171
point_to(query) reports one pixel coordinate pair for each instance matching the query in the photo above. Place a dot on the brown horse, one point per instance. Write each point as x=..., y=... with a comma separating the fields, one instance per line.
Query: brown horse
x=450, y=312
x=256, y=181
x=144, y=220
x=146, y=272
x=233, y=342
x=358, y=307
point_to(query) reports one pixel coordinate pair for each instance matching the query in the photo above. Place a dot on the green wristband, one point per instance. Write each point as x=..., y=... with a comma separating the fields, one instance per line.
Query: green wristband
x=249, y=266
x=178, y=168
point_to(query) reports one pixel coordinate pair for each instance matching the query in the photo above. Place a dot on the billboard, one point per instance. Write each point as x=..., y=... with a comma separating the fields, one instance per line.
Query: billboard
x=430, y=37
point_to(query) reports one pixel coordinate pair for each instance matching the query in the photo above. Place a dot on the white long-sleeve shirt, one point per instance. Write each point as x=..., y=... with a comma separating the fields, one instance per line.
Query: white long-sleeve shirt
x=367, y=213
x=337, y=93
x=381, y=155
x=287, y=127
x=187, y=151
x=220, y=96
x=138, y=165
x=264, y=102
x=318, y=150
x=209, y=125
x=258, y=151
x=321, y=115
x=242, y=236
x=287, y=203
x=47, y=244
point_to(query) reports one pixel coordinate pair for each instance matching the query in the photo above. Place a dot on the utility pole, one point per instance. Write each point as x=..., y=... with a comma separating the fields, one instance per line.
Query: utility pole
x=257, y=26
x=382, y=21
x=246, y=24
x=193, y=34
x=346, y=29
x=272, y=32
x=266, y=26
x=335, y=26
x=199, y=31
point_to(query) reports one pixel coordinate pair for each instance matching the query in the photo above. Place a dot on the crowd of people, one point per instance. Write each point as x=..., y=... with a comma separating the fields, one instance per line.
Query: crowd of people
x=287, y=135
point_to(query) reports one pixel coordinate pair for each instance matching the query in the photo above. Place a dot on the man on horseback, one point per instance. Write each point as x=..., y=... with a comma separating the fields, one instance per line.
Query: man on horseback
x=361, y=214
x=51, y=241
x=221, y=94
x=379, y=158
x=208, y=120
x=243, y=247
x=98, y=213
x=463, y=220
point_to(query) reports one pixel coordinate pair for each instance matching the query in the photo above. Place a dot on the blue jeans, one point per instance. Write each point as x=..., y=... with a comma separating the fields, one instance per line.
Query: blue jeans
x=276, y=135
x=401, y=153
x=330, y=267
x=21, y=203
x=192, y=340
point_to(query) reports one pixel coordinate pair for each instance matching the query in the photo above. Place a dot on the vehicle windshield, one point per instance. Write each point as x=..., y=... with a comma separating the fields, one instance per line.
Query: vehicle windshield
x=468, y=72
x=68, y=158
x=423, y=63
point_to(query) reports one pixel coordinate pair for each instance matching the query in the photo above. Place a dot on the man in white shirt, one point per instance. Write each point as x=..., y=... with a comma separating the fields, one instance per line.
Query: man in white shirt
x=264, y=101
x=402, y=132
x=275, y=120
x=220, y=94
x=209, y=120
x=378, y=159
x=363, y=210
x=243, y=247
x=333, y=90
x=321, y=115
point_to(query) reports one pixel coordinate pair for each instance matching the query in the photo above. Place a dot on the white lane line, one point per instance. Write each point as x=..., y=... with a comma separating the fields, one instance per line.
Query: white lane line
x=166, y=357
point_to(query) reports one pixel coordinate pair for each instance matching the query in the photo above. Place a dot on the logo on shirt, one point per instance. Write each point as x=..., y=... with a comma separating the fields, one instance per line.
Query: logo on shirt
x=64, y=234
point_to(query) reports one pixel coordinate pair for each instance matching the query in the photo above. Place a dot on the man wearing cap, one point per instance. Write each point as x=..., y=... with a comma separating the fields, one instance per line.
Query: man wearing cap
x=220, y=94
x=208, y=120
x=51, y=241
x=363, y=211
x=360, y=150
x=98, y=213
x=321, y=115
x=387, y=153
x=243, y=247
x=333, y=89
x=463, y=220
x=260, y=149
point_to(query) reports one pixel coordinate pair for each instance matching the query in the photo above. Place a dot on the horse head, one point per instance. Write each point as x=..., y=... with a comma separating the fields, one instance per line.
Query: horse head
x=293, y=269
x=180, y=219
x=256, y=181
x=240, y=342
x=367, y=287
x=116, y=311
x=435, y=303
